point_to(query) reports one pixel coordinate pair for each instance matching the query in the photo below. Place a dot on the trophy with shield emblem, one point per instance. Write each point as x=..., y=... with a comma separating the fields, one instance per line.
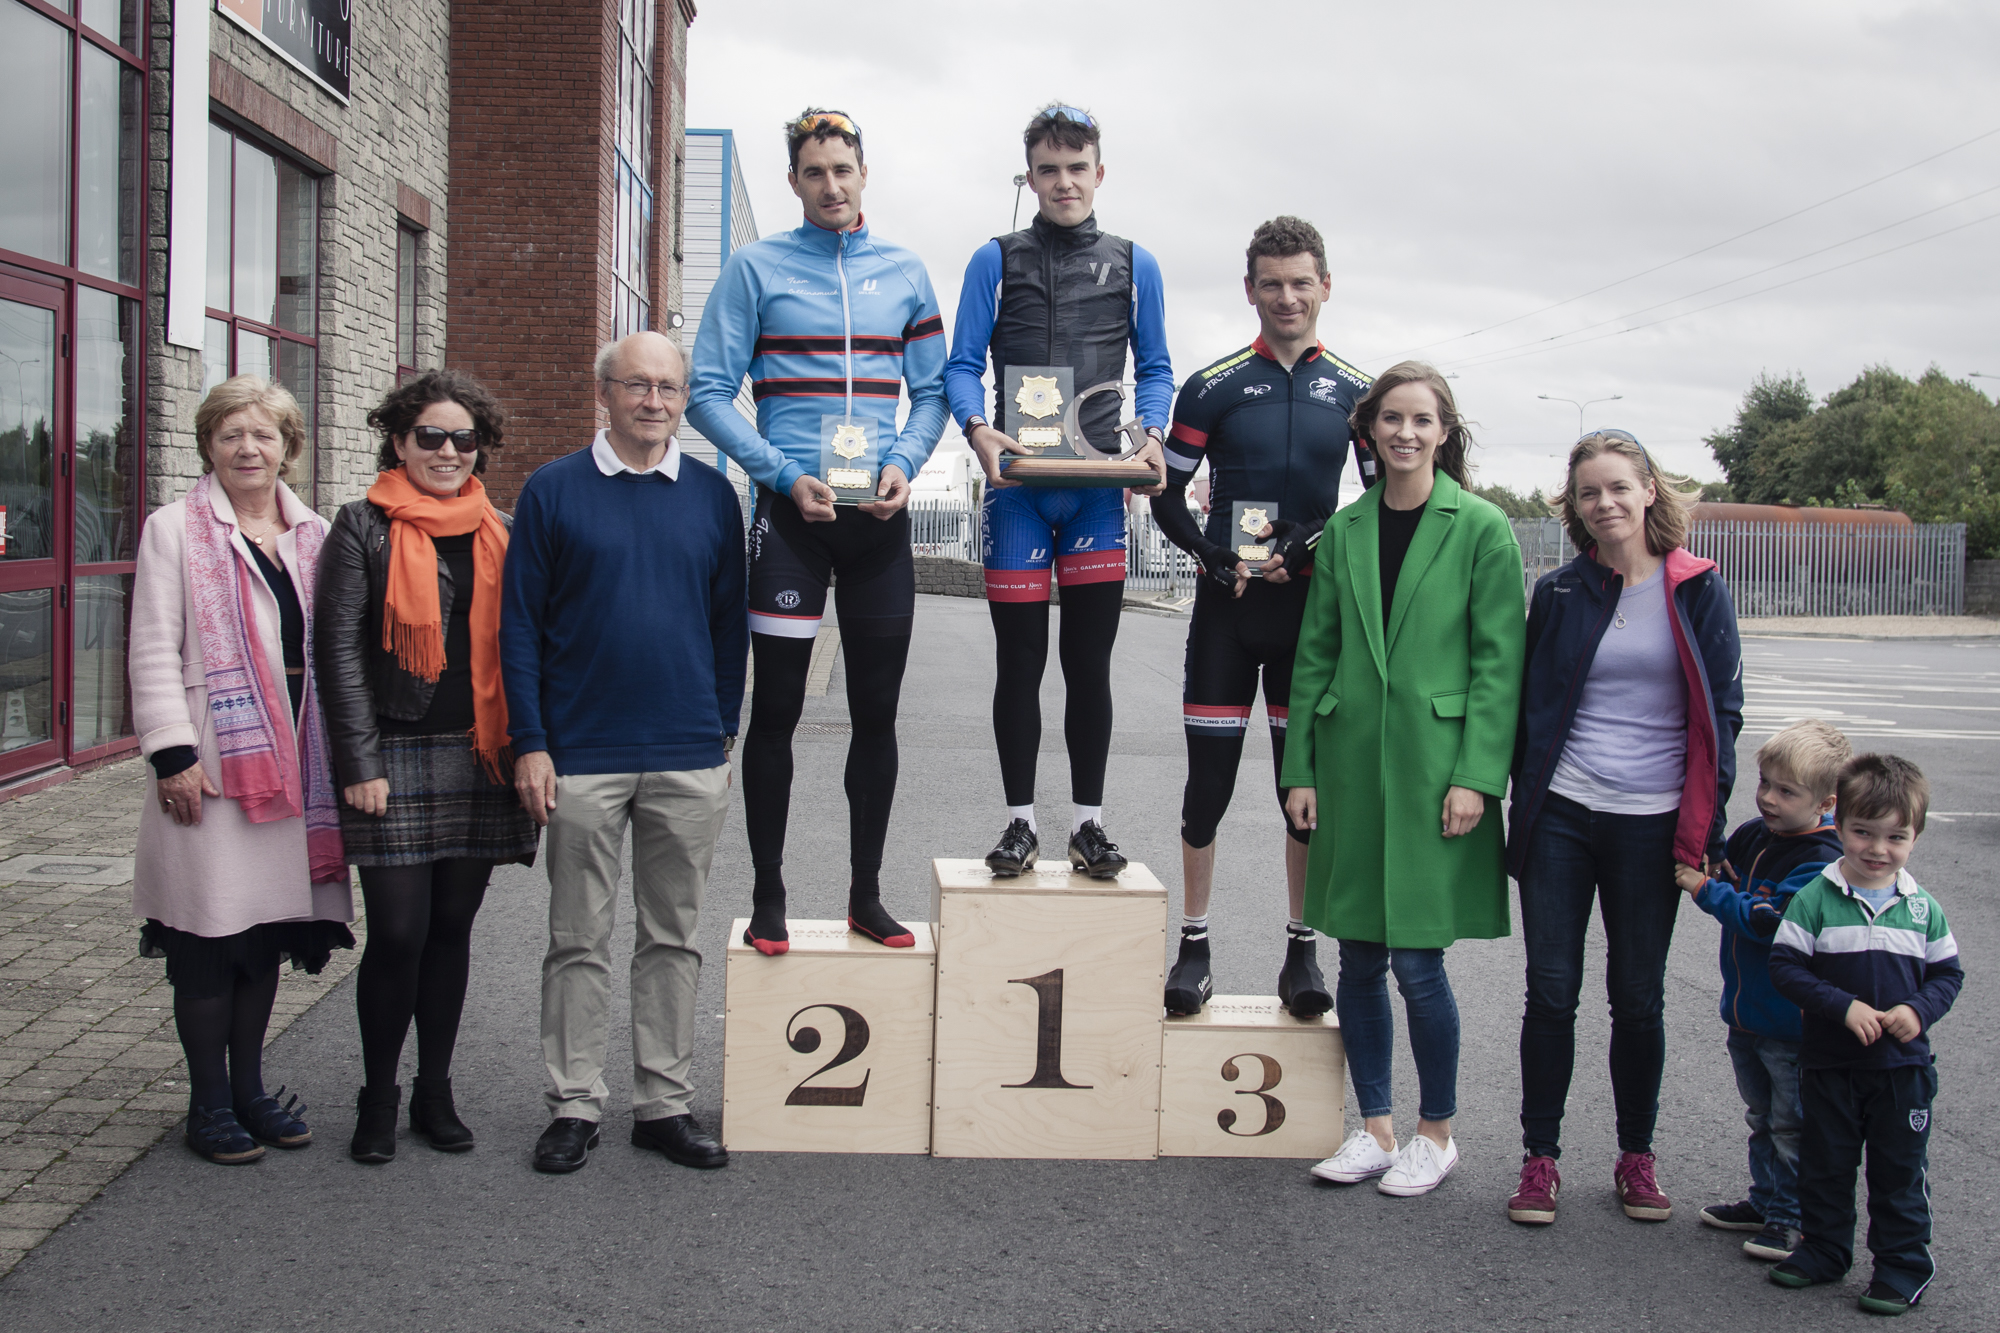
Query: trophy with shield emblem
x=1038, y=411
x=849, y=461
x=1247, y=521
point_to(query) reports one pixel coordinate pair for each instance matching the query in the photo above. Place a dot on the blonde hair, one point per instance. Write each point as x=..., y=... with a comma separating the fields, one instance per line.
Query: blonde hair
x=1810, y=753
x=1454, y=455
x=1668, y=518
x=236, y=394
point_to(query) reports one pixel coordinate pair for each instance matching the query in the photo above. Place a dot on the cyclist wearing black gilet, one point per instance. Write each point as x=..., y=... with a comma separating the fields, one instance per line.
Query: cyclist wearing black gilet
x=1272, y=422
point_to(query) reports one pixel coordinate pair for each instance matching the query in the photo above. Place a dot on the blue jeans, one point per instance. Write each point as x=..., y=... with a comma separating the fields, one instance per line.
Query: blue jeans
x=1368, y=1029
x=1626, y=863
x=1767, y=1076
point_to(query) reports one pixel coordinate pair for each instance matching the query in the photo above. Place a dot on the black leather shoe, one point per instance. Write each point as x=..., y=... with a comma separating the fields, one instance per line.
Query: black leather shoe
x=1189, y=985
x=565, y=1145
x=682, y=1140
x=1093, y=853
x=1017, y=850
x=1301, y=986
x=433, y=1115
x=374, y=1139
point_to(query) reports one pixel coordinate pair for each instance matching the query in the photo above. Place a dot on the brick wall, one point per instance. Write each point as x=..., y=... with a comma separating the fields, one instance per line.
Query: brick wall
x=391, y=139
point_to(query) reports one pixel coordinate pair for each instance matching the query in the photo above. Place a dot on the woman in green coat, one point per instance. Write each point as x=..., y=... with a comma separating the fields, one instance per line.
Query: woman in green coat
x=1404, y=695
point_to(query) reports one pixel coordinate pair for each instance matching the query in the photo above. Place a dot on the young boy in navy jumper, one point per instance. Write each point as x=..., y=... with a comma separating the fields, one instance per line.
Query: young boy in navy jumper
x=1765, y=862
x=1866, y=953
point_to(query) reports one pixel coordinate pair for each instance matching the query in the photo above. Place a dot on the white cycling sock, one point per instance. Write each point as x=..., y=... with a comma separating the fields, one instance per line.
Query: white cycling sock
x=1026, y=812
x=1088, y=814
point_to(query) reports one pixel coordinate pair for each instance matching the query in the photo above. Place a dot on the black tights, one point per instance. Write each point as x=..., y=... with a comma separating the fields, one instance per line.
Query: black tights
x=1090, y=614
x=418, y=956
x=223, y=1037
x=874, y=670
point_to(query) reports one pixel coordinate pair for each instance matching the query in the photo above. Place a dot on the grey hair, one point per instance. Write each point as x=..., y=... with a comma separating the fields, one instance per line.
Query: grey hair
x=607, y=356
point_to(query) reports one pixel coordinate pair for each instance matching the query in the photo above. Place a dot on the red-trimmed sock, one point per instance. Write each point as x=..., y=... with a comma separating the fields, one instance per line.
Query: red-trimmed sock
x=866, y=914
x=767, y=933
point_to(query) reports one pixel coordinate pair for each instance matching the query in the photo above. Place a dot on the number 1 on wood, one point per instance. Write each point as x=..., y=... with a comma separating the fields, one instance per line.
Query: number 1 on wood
x=1048, y=989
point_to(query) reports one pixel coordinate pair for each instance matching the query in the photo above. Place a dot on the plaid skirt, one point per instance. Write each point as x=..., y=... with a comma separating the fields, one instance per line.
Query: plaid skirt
x=442, y=806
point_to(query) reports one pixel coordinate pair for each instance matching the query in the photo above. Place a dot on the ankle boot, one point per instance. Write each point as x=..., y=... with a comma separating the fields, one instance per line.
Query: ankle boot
x=375, y=1124
x=433, y=1115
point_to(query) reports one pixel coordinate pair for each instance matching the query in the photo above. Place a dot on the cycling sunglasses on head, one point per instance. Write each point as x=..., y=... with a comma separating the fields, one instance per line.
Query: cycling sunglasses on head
x=814, y=121
x=1077, y=114
x=430, y=439
x=1623, y=437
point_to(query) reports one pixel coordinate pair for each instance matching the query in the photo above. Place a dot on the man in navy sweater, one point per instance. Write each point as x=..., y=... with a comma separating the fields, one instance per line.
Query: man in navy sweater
x=623, y=636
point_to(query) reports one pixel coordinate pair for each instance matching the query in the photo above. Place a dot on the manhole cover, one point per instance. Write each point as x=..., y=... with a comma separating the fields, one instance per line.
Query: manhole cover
x=102, y=871
x=62, y=868
x=824, y=728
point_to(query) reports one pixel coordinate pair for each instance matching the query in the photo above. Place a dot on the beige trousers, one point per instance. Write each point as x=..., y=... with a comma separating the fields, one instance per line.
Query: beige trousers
x=675, y=820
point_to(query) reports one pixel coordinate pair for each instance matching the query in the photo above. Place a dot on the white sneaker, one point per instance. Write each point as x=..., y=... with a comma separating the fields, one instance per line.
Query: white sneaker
x=1360, y=1158
x=1419, y=1168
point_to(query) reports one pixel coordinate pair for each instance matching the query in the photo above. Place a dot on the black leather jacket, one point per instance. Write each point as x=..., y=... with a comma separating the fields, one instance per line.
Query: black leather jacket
x=360, y=680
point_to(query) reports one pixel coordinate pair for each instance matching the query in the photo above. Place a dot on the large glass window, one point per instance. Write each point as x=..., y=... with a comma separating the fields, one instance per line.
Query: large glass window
x=406, y=302
x=107, y=166
x=34, y=143
x=263, y=271
x=632, y=308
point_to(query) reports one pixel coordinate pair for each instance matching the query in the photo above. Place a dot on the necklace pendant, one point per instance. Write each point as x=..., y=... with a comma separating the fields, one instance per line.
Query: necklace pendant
x=1620, y=621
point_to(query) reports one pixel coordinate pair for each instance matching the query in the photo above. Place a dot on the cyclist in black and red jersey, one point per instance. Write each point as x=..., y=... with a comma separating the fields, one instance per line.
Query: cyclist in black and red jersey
x=1272, y=422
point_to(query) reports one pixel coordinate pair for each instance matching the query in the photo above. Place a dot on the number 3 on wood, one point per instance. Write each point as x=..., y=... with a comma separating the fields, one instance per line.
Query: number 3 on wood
x=1274, y=1110
x=806, y=1040
x=1048, y=989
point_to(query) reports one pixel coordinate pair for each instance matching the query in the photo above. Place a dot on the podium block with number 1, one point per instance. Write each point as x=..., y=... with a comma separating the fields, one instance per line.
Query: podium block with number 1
x=1048, y=1004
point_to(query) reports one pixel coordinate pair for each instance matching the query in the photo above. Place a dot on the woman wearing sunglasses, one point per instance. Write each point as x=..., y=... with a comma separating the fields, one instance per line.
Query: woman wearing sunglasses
x=1624, y=758
x=408, y=626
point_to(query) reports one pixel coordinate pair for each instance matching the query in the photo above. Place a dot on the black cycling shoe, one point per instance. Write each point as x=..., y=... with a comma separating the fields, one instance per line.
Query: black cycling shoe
x=1189, y=985
x=1301, y=987
x=1017, y=850
x=1093, y=853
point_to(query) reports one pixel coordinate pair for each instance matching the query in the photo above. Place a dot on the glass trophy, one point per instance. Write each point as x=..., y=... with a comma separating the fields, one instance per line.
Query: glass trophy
x=849, y=460
x=1038, y=411
x=1248, y=518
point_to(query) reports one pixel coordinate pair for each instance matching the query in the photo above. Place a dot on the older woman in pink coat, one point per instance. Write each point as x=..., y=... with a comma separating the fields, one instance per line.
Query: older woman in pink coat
x=240, y=863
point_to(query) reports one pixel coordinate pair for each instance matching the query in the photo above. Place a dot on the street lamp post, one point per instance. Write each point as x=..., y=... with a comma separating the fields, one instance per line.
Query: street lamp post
x=1019, y=181
x=1580, y=406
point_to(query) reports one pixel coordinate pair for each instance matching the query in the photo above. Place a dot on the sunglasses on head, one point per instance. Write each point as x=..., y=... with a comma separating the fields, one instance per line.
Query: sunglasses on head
x=1623, y=437
x=430, y=439
x=1077, y=114
x=814, y=121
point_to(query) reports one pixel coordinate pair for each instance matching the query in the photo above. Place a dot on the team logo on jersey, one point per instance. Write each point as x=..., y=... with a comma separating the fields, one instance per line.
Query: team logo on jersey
x=788, y=599
x=1919, y=1119
x=1082, y=543
x=1920, y=910
x=1256, y=390
x=867, y=285
x=1324, y=389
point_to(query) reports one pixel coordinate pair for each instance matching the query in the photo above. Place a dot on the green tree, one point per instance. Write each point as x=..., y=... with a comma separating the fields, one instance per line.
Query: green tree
x=1941, y=448
x=1769, y=404
x=1512, y=503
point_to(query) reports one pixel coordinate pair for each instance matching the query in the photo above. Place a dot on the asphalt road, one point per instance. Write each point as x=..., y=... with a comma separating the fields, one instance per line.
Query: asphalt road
x=432, y=1242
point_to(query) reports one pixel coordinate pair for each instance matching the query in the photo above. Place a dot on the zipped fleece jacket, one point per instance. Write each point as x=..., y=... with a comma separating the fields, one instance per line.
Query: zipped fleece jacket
x=1761, y=872
x=1567, y=618
x=825, y=323
x=1833, y=950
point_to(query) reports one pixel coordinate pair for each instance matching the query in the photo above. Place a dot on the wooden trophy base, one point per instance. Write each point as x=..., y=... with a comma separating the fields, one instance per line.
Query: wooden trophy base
x=1243, y=1078
x=1079, y=472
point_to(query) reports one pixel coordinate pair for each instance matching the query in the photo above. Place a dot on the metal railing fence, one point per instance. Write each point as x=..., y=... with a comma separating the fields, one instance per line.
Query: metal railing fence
x=1772, y=569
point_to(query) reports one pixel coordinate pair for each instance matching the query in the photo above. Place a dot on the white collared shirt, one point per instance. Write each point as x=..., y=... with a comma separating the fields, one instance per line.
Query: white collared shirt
x=610, y=464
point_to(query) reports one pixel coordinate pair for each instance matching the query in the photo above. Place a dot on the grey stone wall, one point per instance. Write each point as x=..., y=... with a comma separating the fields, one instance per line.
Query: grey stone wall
x=949, y=578
x=1982, y=587
x=396, y=127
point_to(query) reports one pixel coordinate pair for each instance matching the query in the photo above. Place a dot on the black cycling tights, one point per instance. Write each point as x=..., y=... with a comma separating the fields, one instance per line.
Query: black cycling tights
x=223, y=1038
x=418, y=956
x=1211, y=781
x=873, y=665
x=1090, y=614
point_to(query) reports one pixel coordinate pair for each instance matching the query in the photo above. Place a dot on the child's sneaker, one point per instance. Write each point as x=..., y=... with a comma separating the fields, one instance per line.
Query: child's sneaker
x=1733, y=1217
x=1881, y=1298
x=1534, y=1203
x=1789, y=1274
x=1776, y=1241
x=1637, y=1189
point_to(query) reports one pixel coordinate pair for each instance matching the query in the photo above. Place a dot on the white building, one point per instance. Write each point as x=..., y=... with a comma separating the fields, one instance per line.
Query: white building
x=718, y=222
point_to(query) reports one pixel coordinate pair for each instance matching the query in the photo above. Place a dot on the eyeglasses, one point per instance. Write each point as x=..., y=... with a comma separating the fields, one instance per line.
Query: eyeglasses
x=1057, y=111
x=813, y=121
x=640, y=390
x=430, y=439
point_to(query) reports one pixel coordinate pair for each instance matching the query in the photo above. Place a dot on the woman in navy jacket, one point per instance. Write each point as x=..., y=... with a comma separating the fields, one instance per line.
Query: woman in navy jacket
x=1624, y=759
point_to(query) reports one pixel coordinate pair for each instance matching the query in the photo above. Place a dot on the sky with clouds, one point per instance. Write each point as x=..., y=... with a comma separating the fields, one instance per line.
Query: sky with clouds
x=1538, y=176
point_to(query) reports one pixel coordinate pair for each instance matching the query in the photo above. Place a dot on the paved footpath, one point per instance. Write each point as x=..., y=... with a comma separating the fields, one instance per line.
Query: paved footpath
x=834, y=1241
x=90, y=1069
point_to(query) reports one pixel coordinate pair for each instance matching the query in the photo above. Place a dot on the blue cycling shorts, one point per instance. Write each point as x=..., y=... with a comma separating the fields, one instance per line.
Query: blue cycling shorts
x=1026, y=529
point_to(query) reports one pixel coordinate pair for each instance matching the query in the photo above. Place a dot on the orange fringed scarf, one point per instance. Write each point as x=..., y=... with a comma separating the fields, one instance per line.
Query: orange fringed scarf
x=412, y=621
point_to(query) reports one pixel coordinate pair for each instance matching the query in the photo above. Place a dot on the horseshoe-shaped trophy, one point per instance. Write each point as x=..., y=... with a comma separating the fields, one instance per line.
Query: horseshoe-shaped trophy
x=1086, y=465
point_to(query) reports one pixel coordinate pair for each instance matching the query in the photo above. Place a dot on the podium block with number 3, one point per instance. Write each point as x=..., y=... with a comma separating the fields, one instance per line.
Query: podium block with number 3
x=827, y=1048
x=1048, y=1003
x=1243, y=1078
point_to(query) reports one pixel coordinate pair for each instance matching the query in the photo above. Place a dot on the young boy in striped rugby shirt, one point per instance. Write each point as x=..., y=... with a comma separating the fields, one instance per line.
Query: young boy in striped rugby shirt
x=1866, y=954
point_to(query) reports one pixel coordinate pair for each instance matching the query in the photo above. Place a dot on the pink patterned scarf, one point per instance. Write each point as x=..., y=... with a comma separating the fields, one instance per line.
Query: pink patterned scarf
x=264, y=767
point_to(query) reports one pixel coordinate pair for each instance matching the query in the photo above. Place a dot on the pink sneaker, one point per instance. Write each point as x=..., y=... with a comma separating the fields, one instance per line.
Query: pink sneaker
x=1535, y=1202
x=1637, y=1189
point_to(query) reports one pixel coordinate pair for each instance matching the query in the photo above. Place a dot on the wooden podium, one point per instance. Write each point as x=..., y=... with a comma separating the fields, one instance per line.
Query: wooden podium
x=827, y=1048
x=1243, y=1078
x=1048, y=1013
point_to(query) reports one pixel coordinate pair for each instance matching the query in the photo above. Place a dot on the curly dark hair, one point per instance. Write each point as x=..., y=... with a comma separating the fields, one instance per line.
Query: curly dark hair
x=397, y=415
x=1053, y=124
x=1283, y=237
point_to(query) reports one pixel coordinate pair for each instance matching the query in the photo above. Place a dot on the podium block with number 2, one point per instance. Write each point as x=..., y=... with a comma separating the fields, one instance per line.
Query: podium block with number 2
x=827, y=1048
x=1048, y=1004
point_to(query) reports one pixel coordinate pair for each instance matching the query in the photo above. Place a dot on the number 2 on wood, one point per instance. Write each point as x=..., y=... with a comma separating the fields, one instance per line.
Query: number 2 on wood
x=1274, y=1110
x=1048, y=989
x=806, y=1040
